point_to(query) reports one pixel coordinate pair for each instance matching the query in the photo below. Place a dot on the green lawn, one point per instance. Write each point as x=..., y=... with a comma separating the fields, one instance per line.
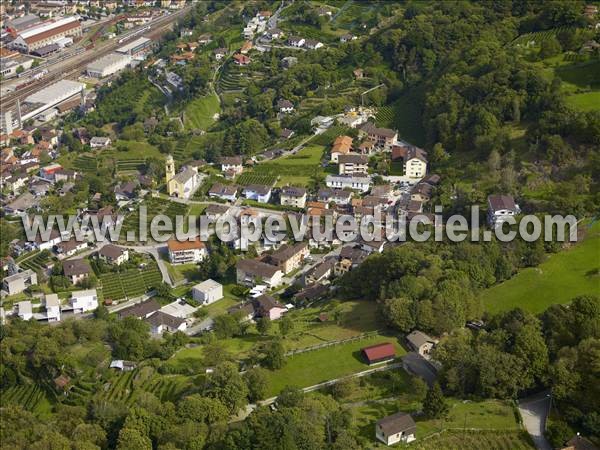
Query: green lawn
x=559, y=279
x=136, y=149
x=199, y=113
x=310, y=368
x=587, y=101
x=294, y=169
x=476, y=440
x=491, y=415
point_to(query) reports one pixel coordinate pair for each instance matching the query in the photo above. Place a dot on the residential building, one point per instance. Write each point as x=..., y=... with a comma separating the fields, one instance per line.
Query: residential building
x=414, y=160
x=241, y=60
x=267, y=307
x=258, y=192
x=384, y=138
x=220, y=53
x=223, y=191
x=186, y=252
x=161, y=322
x=70, y=247
x=84, y=301
x=342, y=145
x=319, y=273
x=99, y=142
x=347, y=38
x=420, y=342
x=350, y=257
x=285, y=106
x=113, y=254
x=140, y=310
x=355, y=182
x=244, y=311
x=213, y=211
x=353, y=164
x=250, y=270
x=22, y=204
x=337, y=196
x=399, y=427
x=289, y=257
x=207, y=292
x=76, y=270
x=313, y=44
x=379, y=353
x=500, y=208
x=286, y=133
x=421, y=192
x=125, y=191
x=52, y=304
x=232, y=164
x=295, y=41
x=17, y=283
x=293, y=196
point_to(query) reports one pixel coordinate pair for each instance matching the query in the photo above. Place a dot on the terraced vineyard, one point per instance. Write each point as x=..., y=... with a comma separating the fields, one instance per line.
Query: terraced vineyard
x=131, y=283
x=385, y=116
x=37, y=262
x=256, y=178
x=86, y=163
x=536, y=37
x=130, y=165
x=232, y=79
x=30, y=397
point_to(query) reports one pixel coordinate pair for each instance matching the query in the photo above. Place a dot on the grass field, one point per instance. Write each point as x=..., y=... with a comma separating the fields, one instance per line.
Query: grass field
x=199, y=113
x=475, y=440
x=294, y=169
x=310, y=368
x=559, y=279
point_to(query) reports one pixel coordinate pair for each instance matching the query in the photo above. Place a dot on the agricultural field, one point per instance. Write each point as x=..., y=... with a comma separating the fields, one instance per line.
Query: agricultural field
x=131, y=283
x=86, y=162
x=37, y=262
x=256, y=178
x=200, y=112
x=294, y=169
x=559, y=279
x=231, y=78
x=475, y=440
x=536, y=38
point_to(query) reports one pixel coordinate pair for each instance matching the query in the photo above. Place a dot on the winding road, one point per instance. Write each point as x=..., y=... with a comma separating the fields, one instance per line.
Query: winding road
x=534, y=411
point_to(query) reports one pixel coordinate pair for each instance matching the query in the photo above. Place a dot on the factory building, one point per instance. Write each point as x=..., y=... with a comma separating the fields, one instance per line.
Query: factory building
x=136, y=48
x=108, y=65
x=49, y=97
x=46, y=33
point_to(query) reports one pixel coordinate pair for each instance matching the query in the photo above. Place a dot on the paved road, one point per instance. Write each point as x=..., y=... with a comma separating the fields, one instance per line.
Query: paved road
x=418, y=365
x=534, y=410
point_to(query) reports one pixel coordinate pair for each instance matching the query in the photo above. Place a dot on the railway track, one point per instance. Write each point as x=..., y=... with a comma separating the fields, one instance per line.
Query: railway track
x=80, y=61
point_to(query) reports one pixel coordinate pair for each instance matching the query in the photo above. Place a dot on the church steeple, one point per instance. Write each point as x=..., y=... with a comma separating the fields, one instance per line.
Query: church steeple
x=169, y=168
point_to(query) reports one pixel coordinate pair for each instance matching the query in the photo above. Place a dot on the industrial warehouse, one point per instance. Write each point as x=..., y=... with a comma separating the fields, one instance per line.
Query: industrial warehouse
x=46, y=33
x=108, y=65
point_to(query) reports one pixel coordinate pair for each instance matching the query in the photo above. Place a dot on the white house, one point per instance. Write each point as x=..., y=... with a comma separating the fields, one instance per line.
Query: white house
x=296, y=41
x=99, y=142
x=313, y=44
x=353, y=164
x=161, y=322
x=500, y=208
x=232, y=164
x=84, y=301
x=113, y=254
x=207, y=292
x=399, y=427
x=258, y=192
x=293, y=196
x=52, y=307
x=223, y=191
x=185, y=252
x=359, y=183
x=421, y=343
x=249, y=270
x=285, y=106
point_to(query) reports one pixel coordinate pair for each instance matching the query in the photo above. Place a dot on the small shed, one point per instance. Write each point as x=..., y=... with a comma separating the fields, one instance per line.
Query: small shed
x=379, y=353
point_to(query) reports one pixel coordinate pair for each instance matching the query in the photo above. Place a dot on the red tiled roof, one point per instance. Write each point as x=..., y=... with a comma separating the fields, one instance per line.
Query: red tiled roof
x=379, y=352
x=46, y=34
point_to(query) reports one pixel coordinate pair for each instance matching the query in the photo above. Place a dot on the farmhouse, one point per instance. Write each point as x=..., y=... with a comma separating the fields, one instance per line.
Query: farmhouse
x=420, y=342
x=379, y=353
x=185, y=252
x=207, y=292
x=399, y=427
x=113, y=254
x=249, y=270
x=76, y=270
x=293, y=196
x=500, y=208
x=267, y=306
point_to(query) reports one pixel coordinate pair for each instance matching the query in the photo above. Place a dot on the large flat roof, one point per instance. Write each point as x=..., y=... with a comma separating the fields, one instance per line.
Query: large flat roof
x=133, y=44
x=47, y=26
x=59, y=91
x=108, y=61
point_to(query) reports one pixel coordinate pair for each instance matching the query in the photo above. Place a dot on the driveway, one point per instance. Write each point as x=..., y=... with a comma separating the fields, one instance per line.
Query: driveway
x=534, y=410
x=415, y=363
